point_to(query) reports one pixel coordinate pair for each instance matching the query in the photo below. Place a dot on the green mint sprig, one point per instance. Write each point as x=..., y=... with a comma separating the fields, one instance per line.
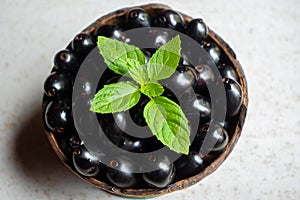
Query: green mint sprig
x=163, y=116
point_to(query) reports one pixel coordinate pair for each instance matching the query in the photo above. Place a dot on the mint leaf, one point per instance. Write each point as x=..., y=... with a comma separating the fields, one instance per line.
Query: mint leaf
x=116, y=97
x=152, y=89
x=116, y=53
x=164, y=61
x=137, y=71
x=168, y=123
x=164, y=117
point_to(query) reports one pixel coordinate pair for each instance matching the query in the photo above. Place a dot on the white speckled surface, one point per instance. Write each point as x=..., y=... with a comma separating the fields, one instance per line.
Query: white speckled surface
x=265, y=36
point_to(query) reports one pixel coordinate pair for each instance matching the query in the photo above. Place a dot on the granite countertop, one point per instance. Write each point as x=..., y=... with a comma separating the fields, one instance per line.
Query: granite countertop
x=265, y=36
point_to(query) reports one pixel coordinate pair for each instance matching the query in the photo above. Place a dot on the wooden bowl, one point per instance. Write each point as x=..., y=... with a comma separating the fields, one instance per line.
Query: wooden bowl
x=115, y=17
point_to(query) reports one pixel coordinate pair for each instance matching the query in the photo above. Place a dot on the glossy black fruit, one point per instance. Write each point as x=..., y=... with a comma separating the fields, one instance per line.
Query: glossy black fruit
x=82, y=116
x=109, y=77
x=202, y=105
x=234, y=96
x=83, y=44
x=214, y=52
x=186, y=76
x=75, y=142
x=132, y=145
x=170, y=94
x=57, y=115
x=113, y=79
x=197, y=30
x=83, y=86
x=137, y=18
x=184, y=61
x=136, y=112
x=170, y=19
x=205, y=77
x=221, y=135
x=189, y=165
x=181, y=81
x=86, y=163
x=230, y=124
x=141, y=145
x=121, y=119
x=215, y=137
x=147, y=55
x=58, y=85
x=112, y=130
x=161, y=177
x=124, y=134
x=160, y=37
x=227, y=71
x=114, y=127
x=110, y=31
x=119, y=173
x=197, y=110
x=66, y=62
x=198, y=140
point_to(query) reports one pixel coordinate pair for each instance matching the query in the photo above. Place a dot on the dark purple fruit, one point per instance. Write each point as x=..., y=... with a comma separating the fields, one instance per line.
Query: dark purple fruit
x=75, y=142
x=114, y=133
x=141, y=145
x=110, y=31
x=197, y=30
x=86, y=163
x=161, y=177
x=86, y=88
x=186, y=77
x=147, y=55
x=83, y=44
x=58, y=85
x=198, y=140
x=113, y=79
x=132, y=144
x=170, y=19
x=189, y=165
x=181, y=81
x=214, y=52
x=83, y=117
x=169, y=94
x=137, y=18
x=197, y=110
x=66, y=62
x=227, y=71
x=161, y=38
x=119, y=173
x=230, y=124
x=57, y=115
x=222, y=137
x=124, y=125
x=83, y=86
x=234, y=96
x=195, y=103
x=121, y=119
x=215, y=137
x=136, y=112
x=115, y=128
x=204, y=77
x=202, y=105
x=184, y=61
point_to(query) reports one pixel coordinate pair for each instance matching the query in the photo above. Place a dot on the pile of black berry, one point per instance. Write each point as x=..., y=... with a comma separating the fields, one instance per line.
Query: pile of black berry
x=58, y=114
